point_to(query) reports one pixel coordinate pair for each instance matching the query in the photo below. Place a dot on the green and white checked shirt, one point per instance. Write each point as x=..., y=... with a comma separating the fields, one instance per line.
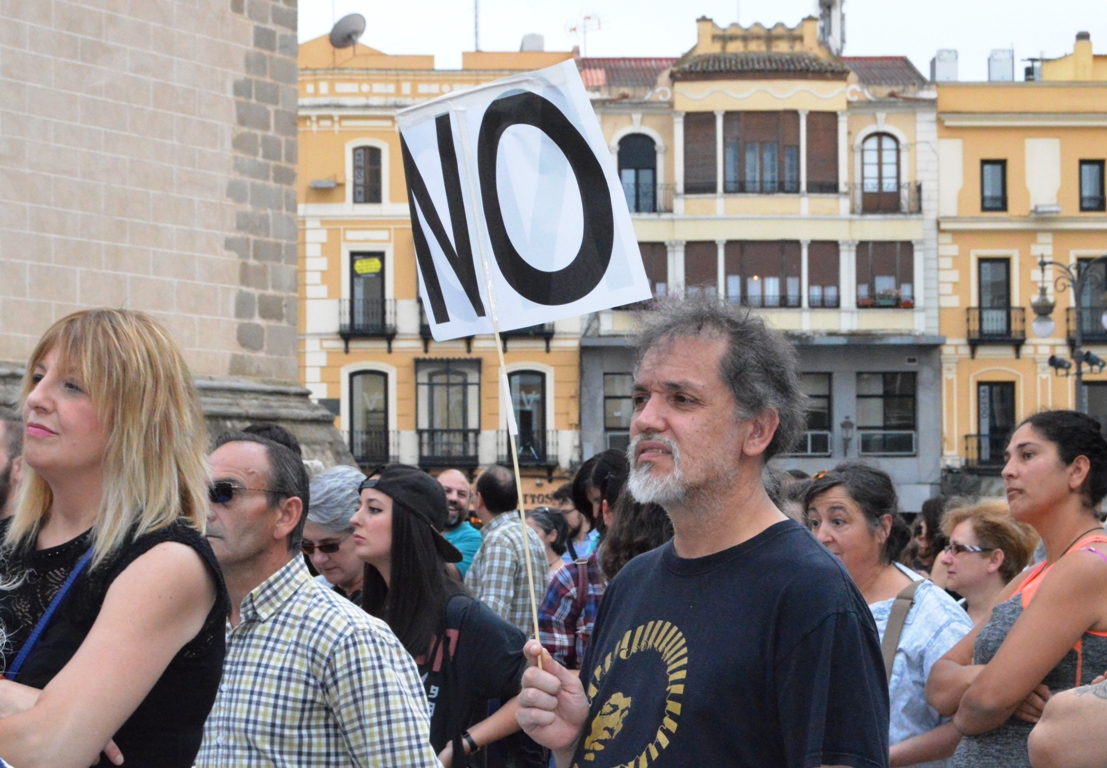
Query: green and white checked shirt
x=311, y=680
x=498, y=575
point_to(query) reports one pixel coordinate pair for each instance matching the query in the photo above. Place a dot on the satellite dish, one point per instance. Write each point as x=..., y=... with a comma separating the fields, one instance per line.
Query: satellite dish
x=347, y=31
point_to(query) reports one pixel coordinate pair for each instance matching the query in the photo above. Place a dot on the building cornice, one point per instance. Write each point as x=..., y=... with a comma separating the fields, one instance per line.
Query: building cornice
x=1023, y=119
x=1011, y=223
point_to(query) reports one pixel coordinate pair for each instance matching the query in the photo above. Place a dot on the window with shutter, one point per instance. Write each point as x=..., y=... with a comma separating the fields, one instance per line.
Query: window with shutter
x=699, y=153
x=822, y=152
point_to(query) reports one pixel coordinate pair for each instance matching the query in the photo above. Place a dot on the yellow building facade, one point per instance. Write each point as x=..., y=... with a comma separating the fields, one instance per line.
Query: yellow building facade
x=1021, y=181
x=366, y=349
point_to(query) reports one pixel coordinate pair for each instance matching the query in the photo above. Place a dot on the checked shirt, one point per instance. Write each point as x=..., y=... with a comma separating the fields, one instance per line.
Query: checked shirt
x=498, y=575
x=566, y=621
x=310, y=680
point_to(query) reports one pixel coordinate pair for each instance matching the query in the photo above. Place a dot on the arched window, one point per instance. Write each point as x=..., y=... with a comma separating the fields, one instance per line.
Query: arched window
x=367, y=175
x=369, y=437
x=880, y=174
x=638, y=172
x=528, y=400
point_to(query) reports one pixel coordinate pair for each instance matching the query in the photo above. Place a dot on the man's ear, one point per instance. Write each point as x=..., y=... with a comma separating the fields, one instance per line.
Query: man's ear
x=288, y=516
x=762, y=429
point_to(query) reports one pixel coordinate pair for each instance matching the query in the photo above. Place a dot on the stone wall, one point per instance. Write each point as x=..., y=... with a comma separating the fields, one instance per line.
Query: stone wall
x=147, y=157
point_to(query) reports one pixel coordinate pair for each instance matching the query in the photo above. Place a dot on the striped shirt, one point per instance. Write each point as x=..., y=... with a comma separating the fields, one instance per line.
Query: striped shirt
x=498, y=575
x=310, y=680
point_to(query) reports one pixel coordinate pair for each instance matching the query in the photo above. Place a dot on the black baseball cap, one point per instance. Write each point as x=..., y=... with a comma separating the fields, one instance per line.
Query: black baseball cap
x=420, y=495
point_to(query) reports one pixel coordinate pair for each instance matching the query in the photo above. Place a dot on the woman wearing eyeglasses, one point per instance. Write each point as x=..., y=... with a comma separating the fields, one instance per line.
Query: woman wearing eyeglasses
x=852, y=510
x=1048, y=629
x=987, y=548
x=115, y=625
x=328, y=540
x=466, y=654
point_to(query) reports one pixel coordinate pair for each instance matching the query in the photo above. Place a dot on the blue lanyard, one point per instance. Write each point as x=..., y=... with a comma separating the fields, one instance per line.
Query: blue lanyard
x=25, y=651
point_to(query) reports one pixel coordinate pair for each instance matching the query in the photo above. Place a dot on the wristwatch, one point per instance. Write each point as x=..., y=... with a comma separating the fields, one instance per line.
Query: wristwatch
x=470, y=742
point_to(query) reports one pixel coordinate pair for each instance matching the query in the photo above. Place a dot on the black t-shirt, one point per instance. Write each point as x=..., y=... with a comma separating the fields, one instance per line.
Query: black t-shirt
x=485, y=662
x=166, y=728
x=763, y=654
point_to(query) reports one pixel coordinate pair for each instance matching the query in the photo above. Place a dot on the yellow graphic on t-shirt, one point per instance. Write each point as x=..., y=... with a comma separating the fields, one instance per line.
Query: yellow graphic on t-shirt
x=663, y=638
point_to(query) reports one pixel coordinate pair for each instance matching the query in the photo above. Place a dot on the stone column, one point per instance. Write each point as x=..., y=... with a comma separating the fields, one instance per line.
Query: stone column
x=721, y=264
x=803, y=151
x=804, y=244
x=719, y=161
x=676, y=266
x=678, y=162
x=847, y=284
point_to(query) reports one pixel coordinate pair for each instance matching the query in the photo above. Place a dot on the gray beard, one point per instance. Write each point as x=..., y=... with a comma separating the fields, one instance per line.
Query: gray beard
x=668, y=491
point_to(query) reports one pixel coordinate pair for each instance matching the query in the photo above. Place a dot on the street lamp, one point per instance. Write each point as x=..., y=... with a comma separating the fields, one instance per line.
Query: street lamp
x=1079, y=277
x=847, y=434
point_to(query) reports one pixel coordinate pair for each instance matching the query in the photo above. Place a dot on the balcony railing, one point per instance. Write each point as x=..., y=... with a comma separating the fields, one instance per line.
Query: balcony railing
x=813, y=443
x=367, y=319
x=535, y=449
x=768, y=301
x=762, y=186
x=887, y=442
x=658, y=199
x=984, y=453
x=541, y=331
x=1091, y=325
x=426, y=335
x=374, y=446
x=875, y=198
x=823, y=187
x=448, y=447
x=996, y=325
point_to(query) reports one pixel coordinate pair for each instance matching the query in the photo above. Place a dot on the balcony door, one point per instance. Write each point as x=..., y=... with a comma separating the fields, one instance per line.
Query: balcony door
x=638, y=172
x=369, y=441
x=880, y=174
x=448, y=411
x=995, y=297
x=367, y=291
x=996, y=419
x=528, y=399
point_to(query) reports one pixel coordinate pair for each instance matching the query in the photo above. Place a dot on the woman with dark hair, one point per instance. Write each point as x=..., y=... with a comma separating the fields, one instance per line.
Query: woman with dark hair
x=466, y=654
x=553, y=529
x=1048, y=629
x=568, y=612
x=853, y=511
x=928, y=541
x=584, y=536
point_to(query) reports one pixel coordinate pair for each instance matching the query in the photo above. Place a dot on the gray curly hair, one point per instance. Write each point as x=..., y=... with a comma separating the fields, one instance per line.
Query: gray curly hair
x=760, y=366
x=335, y=498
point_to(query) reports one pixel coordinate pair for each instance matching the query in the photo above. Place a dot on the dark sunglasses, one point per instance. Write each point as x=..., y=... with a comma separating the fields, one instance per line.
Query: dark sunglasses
x=957, y=549
x=309, y=547
x=224, y=491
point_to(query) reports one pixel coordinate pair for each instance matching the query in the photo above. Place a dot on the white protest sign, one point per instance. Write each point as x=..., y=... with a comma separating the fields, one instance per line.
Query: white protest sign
x=511, y=187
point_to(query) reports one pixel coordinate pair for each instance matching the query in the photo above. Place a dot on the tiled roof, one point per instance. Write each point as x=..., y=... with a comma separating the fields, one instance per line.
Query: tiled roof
x=622, y=72
x=758, y=64
x=885, y=70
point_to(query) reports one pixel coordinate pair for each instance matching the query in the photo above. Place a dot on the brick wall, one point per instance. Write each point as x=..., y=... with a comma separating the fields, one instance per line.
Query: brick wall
x=147, y=160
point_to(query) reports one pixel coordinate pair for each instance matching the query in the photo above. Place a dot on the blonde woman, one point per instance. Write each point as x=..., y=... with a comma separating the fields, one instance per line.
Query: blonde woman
x=114, y=505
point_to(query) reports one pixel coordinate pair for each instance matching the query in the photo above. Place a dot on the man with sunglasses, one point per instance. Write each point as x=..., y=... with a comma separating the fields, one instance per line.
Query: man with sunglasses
x=309, y=678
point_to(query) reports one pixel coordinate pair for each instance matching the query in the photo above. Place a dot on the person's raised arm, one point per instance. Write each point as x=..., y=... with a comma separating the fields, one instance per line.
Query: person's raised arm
x=552, y=705
x=152, y=609
x=1067, y=604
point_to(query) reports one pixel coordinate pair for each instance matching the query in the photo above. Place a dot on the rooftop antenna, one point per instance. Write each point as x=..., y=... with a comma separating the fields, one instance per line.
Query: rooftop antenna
x=581, y=27
x=347, y=30
x=476, y=25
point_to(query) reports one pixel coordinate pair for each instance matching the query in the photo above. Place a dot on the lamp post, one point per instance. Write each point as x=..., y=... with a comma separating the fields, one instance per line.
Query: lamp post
x=1079, y=277
x=847, y=426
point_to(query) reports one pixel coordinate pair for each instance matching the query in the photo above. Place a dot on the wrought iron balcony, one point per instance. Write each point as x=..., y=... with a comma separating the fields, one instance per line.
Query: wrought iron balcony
x=534, y=449
x=1002, y=325
x=542, y=331
x=374, y=446
x=1091, y=325
x=655, y=199
x=449, y=447
x=875, y=198
x=984, y=453
x=367, y=319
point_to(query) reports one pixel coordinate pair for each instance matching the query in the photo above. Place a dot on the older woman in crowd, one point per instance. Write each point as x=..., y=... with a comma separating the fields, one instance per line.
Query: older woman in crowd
x=1048, y=630
x=327, y=532
x=852, y=510
x=987, y=548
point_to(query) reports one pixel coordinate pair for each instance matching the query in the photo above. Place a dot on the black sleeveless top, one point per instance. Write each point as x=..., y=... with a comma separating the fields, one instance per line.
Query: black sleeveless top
x=165, y=730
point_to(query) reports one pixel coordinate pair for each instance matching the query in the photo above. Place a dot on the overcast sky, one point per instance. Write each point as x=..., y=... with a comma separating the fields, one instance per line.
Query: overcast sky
x=914, y=28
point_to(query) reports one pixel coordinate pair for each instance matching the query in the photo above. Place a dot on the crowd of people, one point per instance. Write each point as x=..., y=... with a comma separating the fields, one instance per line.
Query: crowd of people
x=164, y=602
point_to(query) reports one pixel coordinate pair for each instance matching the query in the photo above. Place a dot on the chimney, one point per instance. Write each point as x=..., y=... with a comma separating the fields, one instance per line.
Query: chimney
x=943, y=67
x=1082, y=57
x=1001, y=66
x=533, y=42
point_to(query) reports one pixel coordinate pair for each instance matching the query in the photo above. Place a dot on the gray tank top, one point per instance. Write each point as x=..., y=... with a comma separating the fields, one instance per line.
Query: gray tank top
x=1005, y=747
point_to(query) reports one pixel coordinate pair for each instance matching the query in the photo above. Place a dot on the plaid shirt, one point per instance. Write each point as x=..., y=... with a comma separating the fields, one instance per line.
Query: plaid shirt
x=565, y=629
x=312, y=680
x=498, y=575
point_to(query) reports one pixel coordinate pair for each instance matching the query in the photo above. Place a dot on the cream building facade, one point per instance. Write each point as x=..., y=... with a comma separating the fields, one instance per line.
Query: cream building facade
x=1021, y=180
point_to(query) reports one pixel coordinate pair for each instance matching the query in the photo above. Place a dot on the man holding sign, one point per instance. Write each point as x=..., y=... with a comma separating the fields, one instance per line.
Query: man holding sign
x=742, y=642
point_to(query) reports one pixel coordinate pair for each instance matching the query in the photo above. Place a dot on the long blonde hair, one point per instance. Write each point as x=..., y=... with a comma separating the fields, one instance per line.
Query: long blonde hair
x=154, y=470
